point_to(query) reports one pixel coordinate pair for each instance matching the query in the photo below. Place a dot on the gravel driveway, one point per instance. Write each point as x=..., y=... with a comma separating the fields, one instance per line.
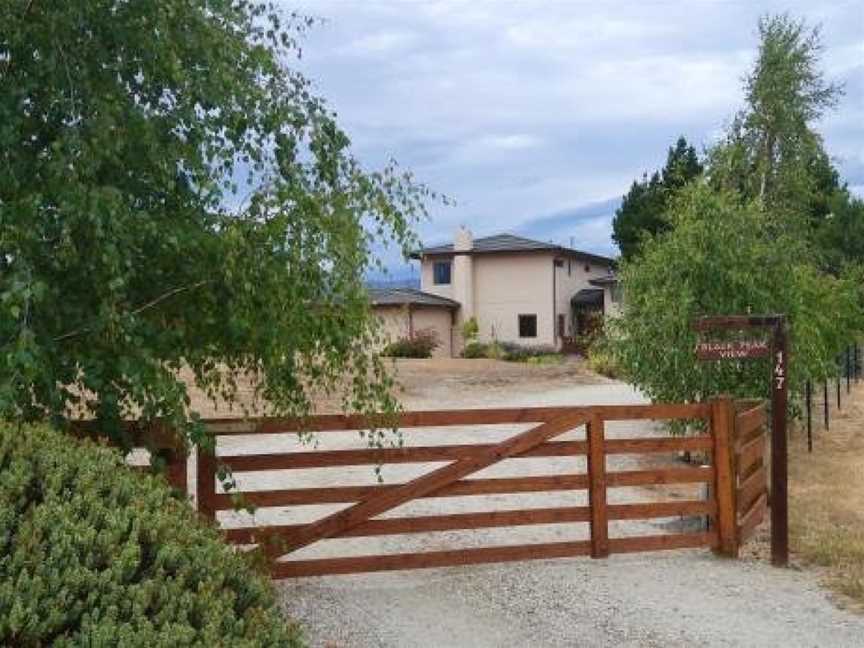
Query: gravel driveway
x=680, y=598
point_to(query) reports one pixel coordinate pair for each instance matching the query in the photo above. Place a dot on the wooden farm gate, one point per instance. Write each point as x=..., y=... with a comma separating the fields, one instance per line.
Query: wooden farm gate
x=733, y=444
x=750, y=442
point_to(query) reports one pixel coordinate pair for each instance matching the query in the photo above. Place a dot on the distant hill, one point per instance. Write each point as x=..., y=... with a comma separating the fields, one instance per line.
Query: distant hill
x=393, y=282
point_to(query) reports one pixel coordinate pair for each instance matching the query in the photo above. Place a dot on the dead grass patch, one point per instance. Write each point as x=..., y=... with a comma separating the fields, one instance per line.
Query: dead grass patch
x=826, y=493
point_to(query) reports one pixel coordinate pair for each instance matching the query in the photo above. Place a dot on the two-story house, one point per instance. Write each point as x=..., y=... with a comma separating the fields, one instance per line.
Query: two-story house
x=518, y=289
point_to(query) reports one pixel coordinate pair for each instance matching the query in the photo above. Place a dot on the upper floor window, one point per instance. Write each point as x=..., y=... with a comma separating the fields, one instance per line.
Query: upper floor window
x=441, y=273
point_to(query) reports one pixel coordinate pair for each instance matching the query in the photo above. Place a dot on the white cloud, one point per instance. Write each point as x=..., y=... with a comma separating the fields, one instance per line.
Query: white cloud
x=520, y=109
x=379, y=43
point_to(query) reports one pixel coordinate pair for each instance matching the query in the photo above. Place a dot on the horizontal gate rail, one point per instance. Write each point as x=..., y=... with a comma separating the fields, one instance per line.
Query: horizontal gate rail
x=455, y=418
x=418, y=454
x=491, y=519
x=426, y=559
x=460, y=488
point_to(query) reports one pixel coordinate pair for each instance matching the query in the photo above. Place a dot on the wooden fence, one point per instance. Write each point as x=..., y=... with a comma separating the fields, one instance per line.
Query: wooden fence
x=734, y=503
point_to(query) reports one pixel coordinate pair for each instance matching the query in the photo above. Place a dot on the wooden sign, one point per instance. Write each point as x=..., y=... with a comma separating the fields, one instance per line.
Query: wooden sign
x=734, y=350
x=779, y=352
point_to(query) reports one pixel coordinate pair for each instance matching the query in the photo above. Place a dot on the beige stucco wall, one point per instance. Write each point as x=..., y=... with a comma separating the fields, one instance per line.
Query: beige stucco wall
x=439, y=320
x=507, y=285
x=396, y=323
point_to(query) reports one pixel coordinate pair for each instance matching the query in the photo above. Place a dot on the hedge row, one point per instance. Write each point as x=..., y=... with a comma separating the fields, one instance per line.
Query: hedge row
x=94, y=554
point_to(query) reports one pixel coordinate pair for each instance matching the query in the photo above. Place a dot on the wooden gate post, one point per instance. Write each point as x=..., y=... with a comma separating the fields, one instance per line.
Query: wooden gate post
x=175, y=469
x=597, y=488
x=722, y=422
x=205, y=482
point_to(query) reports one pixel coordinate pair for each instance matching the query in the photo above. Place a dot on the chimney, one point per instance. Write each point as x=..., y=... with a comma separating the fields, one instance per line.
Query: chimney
x=463, y=240
x=463, y=272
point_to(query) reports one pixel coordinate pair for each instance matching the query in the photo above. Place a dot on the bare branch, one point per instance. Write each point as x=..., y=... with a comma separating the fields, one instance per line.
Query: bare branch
x=137, y=311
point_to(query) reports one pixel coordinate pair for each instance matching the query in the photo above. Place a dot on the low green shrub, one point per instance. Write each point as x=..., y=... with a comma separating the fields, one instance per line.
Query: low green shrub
x=421, y=345
x=523, y=353
x=601, y=361
x=546, y=359
x=92, y=554
x=475, y=350
x=512, y=352
x=470, y=330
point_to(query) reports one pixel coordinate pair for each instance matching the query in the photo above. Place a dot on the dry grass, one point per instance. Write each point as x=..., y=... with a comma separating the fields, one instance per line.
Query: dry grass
x=826, y=491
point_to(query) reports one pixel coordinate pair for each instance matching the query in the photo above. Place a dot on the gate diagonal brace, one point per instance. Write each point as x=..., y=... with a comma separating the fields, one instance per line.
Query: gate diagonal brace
x=337, y=523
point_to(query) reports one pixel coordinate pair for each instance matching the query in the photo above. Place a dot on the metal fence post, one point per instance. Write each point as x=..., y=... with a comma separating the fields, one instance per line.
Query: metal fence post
x=825, y=406
x=808, y=396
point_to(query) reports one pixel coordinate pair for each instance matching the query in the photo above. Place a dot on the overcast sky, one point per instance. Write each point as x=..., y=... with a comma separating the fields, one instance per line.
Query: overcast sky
x=536, y=116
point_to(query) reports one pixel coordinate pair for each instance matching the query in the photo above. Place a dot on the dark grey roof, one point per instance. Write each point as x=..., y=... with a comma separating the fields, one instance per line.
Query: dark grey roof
x=404, y=296
x=610, y=280
x=512, y=243
x=587, y=297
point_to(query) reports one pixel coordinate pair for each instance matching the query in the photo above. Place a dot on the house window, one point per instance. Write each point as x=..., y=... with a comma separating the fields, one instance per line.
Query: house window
x=615, y=294
x=527, y=326
x=561, y=331
x=441, y=273
x=587, y=267
x=559, y=263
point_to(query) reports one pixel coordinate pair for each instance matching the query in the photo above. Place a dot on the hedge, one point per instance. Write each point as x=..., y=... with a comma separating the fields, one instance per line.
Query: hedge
x=92, y=553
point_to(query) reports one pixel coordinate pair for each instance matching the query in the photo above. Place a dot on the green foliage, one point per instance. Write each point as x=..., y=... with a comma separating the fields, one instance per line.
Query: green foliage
x=512, y=352
x=93, y=554
x=421, y=345
x=602, y=361
x=840, y=236
x=641, y=211
x=470, y=330
x=720, y=258
x=593, y=327
x=474, y=350
x=537, y=353
x=771, y=152
x=173, y=194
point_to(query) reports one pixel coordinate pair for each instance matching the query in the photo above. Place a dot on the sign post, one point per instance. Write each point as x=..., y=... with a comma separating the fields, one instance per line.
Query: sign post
x=779, y=353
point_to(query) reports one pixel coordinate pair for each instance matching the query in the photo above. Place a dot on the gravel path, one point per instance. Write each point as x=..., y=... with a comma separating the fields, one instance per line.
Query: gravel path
x=681, y=598
x=666, y=599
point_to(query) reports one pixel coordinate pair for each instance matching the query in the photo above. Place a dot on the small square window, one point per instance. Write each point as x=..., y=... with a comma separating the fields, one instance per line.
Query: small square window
x=441, y=273
x=527, y=326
